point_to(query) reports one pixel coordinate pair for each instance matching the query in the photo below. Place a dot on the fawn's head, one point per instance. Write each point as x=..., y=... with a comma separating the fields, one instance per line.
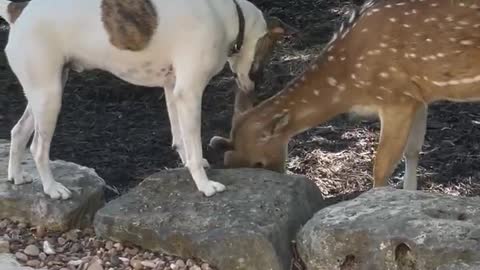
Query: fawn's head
x=254, y=142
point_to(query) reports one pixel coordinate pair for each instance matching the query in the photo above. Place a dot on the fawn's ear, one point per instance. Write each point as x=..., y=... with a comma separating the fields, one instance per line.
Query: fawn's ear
x=220, y=144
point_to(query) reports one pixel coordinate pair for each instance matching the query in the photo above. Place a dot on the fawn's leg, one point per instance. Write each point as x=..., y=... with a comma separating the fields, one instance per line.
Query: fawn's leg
x=396, y=123
x=414, y=145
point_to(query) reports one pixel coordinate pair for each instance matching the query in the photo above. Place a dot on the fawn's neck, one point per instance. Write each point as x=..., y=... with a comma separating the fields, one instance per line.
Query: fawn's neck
x=316, y=96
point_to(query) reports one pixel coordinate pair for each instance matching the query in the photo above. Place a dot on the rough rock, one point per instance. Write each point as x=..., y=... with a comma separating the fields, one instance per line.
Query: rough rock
x=8, y=262
x=461, y=266
x=389, y=229
x=249, y=226
x=27, y=203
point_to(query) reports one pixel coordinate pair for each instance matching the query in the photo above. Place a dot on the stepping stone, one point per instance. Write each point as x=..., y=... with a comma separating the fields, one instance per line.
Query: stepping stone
x=392, y=229
x=27, y=203
x=249, y=226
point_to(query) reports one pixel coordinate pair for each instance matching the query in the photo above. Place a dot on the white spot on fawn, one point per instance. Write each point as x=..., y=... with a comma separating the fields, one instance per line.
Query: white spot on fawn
x=466, y=42
x=383, y=75
x=316, y=92
x=331, y=81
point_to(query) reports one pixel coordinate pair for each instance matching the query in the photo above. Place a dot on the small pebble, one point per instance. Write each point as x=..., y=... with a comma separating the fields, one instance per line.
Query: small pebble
x=206, y=266
x=137, y=265
x=195, y=267
x=21, y=257
x=180, y=263
x=124, y=260
x=3, y=224
x=131, y=251
x=32, y=250
x=4, y=246
x=42, y=256
x=149, y=264
x=33, y=263
x=118, y=246
x=190, y=263
x=109, y=245
x=75, y=248
x=47, y=248
x=95, y=265
x=115, y=261
x=61, y=241
x=72, y=235
x=173, y=266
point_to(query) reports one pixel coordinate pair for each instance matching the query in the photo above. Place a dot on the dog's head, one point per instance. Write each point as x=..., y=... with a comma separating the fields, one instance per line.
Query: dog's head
x=259, y=42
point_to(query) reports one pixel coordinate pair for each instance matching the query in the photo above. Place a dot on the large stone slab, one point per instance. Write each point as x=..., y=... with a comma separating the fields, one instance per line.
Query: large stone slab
x=387, y=229
x=27, y=203
x=249, y=226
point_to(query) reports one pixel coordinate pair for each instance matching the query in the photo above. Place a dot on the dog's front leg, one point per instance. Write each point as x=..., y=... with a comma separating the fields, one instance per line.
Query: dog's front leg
x=188, y=99
x=177, y=142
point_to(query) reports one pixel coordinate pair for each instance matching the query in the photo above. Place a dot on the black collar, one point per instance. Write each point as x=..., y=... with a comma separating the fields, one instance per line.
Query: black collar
x=237, y=46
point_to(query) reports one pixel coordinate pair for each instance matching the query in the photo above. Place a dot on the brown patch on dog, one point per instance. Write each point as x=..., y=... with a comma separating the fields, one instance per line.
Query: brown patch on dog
x=14, y=10
x=130, y=23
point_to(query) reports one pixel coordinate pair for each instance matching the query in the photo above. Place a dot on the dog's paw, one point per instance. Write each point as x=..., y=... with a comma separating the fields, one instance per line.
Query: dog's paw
x=212, y=187
x=57, y=191
x=20, y=178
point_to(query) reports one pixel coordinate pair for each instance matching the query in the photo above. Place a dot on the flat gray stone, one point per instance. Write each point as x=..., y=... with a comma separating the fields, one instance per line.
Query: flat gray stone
x=249, y=226
x=27, y=203
x=387, y=229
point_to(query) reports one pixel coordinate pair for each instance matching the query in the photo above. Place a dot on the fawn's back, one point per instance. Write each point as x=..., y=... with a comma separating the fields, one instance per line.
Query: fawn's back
x=397, y=50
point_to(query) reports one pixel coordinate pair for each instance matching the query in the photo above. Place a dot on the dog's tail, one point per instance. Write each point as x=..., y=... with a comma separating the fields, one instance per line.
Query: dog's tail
x=10, y=11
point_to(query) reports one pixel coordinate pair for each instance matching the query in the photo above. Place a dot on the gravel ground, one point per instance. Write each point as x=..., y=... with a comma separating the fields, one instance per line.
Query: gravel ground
x=81, y=250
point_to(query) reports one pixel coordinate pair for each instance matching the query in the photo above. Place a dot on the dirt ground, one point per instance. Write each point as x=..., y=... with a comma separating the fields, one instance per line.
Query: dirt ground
x=122, y=130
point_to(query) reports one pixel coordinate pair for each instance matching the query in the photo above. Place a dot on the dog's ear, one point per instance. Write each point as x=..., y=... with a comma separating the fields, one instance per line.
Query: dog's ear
x=278, y=28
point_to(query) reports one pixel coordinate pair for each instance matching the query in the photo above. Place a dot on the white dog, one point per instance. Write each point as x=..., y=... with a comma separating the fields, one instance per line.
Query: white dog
x=175, y=44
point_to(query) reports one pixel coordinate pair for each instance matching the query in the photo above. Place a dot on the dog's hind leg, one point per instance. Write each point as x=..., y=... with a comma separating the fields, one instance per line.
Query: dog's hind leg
x=20, y=135
x=40, y=72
